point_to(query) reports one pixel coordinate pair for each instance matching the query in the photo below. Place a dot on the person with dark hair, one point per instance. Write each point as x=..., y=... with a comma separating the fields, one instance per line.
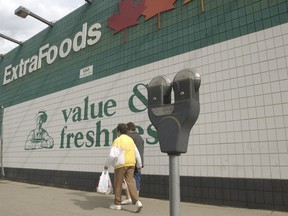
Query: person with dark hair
x=124, y=155
x=139, y=142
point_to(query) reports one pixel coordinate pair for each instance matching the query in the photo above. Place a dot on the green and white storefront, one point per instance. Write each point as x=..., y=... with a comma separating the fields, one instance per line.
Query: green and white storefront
x=90, y=72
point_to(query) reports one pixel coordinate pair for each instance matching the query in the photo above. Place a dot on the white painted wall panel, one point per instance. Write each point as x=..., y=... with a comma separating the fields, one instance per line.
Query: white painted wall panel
x=241, y=131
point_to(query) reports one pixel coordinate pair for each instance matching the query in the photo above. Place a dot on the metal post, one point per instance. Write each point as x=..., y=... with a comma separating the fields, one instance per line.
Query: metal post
x=41, y=19
x=11, y=39
x=174, y=185
x=1, y=141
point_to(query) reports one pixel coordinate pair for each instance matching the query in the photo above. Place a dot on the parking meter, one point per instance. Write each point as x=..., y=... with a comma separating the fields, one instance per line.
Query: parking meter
x=173, y=122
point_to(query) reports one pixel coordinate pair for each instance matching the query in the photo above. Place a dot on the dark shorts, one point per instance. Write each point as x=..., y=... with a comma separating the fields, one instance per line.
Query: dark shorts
x=137, y=177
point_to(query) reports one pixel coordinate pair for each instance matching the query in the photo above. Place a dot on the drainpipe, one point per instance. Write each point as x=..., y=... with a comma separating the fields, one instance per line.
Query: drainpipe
x=1, y=140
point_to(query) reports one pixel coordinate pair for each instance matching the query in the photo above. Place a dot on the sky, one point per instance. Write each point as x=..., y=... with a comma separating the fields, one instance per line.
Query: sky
x=22, y=29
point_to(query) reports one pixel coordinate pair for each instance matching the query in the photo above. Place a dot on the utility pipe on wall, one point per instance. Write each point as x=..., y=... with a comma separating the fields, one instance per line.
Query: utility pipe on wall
x=1, y=141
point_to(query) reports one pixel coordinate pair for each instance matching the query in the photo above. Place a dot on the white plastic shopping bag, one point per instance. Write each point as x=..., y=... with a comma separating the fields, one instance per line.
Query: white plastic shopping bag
x=105, y=184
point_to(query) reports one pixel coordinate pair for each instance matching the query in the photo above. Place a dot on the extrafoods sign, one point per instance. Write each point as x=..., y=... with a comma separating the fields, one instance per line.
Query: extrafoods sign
x=129, y=13
x=50, y=53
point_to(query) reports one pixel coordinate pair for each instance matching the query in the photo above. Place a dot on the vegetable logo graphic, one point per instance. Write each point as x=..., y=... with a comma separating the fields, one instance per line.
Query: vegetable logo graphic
x=128, y=16
x=153, y=8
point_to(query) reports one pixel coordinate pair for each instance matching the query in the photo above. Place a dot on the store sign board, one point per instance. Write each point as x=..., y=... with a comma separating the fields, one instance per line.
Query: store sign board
x=128, y=15
x=88, y=36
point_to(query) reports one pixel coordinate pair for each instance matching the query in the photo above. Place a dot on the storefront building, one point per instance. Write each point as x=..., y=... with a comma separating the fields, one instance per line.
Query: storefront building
x=78, y=79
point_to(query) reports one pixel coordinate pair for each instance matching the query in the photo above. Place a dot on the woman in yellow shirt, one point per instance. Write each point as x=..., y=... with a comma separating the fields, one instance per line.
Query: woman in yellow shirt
x=123, y=156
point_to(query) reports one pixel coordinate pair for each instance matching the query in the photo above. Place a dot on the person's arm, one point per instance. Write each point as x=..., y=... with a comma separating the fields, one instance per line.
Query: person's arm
x=138, y=158
x=29, y=143
x=109, y=162
x=114, y=153
x=47, y=141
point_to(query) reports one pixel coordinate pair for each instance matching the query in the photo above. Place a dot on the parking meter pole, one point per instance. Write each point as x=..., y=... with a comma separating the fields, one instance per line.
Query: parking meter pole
x=174, y=185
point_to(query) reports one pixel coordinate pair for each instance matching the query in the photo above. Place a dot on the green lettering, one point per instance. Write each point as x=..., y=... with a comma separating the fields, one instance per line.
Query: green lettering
x=86, y=103
x=153, y=133
x=66, y=116
x=69, y=136
x=138, y=95
x=89, y=135
x=78, y=136
x=99, y=131
x=100, y=110
x=77, y=114
x=62, y=137
x=109, y=104
x=140, y=130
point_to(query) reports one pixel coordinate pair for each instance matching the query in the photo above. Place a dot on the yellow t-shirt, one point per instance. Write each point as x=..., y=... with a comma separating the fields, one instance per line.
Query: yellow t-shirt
x=123, y=153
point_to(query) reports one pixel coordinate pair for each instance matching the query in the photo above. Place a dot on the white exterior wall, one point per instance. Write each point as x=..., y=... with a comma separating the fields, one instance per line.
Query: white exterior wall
x=241, y=130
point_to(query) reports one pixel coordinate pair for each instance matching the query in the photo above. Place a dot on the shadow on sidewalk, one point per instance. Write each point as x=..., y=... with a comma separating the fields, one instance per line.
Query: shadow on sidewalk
x=93, y=202
x=98, y=201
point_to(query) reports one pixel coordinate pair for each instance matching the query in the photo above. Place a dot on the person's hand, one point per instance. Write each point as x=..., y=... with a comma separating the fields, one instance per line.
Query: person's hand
x=105, y=169
x=139, y=169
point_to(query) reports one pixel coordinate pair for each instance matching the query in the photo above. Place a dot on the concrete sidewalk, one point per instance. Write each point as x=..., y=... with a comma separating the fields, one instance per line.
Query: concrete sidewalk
x=21, y=199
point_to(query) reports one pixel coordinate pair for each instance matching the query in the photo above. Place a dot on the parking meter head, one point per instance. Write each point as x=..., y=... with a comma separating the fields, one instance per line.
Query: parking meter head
x=186, y=84
x=174, y=121
x=171, y=136
x=197, y=82
x=159, y=91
